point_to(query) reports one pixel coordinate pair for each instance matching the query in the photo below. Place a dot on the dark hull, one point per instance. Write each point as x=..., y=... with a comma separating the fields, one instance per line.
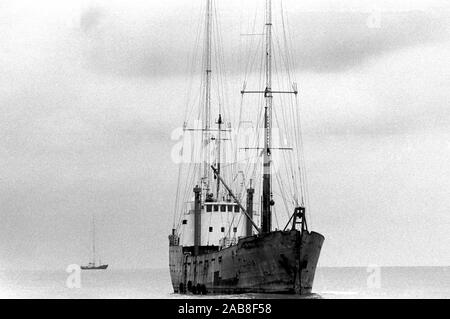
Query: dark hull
x=276, y=262
x=101, y=267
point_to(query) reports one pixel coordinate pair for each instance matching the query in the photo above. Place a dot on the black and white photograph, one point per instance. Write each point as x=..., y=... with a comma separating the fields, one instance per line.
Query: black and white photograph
x=236, y=151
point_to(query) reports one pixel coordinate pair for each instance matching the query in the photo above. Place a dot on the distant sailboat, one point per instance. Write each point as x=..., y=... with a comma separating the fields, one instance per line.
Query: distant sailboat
x=93, y=265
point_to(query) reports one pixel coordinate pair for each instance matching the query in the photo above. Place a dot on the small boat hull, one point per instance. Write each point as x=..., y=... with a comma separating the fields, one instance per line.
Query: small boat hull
x=100, y=267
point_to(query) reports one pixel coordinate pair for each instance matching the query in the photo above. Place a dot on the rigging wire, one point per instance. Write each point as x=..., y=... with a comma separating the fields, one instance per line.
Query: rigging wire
x=291, y=172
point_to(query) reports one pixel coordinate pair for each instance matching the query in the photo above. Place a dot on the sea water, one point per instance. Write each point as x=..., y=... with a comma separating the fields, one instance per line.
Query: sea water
x=351, y=282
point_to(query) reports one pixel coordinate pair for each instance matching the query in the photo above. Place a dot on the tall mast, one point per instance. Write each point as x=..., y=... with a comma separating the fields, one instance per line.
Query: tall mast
x=207, y=111
x=219, y=123
x=267, y=190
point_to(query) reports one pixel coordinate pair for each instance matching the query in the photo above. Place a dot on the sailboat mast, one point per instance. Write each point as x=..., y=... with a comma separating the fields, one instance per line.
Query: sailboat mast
x=207, y=111
x=267, y=190
x=93, y=239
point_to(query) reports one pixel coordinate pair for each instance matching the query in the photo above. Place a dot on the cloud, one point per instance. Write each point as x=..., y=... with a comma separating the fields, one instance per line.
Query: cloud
x=160, y=44
x=124, y=42
x=90, y=18
x=396, y=94
x=336, y=41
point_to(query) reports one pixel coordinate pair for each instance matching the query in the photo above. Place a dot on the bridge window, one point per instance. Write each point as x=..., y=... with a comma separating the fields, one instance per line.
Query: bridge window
x=230, y=208
x=210, y=229
x=223, y=208
x=208, y=208
x=222, y=229
x=236, y=209
x=235, y=229
x=184, y=221
x=216, y=208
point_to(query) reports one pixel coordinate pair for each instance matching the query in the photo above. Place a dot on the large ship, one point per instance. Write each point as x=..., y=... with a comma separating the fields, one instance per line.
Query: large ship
x=240, y=222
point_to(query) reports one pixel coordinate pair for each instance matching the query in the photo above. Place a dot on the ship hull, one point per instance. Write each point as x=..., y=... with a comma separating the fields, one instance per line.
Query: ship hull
x=276, y=262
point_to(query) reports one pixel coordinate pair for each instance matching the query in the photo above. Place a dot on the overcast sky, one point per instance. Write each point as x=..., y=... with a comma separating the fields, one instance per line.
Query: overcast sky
x=90, y=92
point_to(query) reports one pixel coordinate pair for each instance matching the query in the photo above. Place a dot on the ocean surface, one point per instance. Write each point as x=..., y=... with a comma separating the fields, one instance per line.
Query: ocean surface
x=384, y=282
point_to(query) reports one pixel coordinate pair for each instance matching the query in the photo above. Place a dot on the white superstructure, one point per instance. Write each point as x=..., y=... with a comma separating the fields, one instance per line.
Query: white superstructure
x=222, y=224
